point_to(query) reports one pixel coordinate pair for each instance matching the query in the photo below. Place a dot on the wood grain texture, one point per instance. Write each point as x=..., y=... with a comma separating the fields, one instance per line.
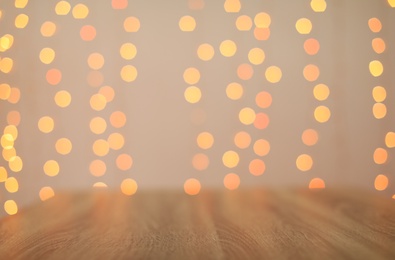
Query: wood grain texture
x=245, y=224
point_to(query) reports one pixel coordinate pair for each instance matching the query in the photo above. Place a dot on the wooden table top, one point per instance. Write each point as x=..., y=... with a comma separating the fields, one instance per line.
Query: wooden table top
x=244, y=224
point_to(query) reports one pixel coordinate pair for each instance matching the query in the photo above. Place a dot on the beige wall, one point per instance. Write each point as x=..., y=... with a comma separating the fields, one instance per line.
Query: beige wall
x=159, y=133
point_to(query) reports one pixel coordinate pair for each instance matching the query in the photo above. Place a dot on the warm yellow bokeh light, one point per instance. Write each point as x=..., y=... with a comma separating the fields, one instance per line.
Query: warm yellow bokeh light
x=200, y=161
x=63, y=146
x=13, y=118
x=129, y=187
x=321, y=92
x=391, y=3
x=191, y=76
x=62, y=8
x=245, y=71
x=242, y=139
x=205, y=52
x=48, y=29
x=261, y=121
x=243, y=23
x=381, y=182
x=228, y=48
x=21, y=21
x=192, y=186
x=46, y=193
x=118, y=119
x=261, y=147
x=100, y=147
x=46, y=124
x=128, y=51
x=192, y=94
x=257, y=167
x=15, y=95
x=187, y=23
x=11, y=185
x=378, y=45
x=47, y=55
x=317, y=183
x=304, y=162
x=129, y=73
x=108, y=92
x=5, y=91
x=97, y=168
x=15, y=164
x=303, y=26
x=21, y=3
x=262, y=20
x=256, y=56
x=6, y=64
x=234, y=91
x=12, y=130
x=10, y=207
x=231, y=181
x=374, y=25
x=51, y=168
x=100, y=185
x=7, y=141
x=205, y=140
x=232, y=6
x=95, y=61
x=97, y=125
x=196, y=4
x=6, y=42
x=230, y=159
x=322, y=114
x=8, y=154
x=247, y=116
x=380, y=156
x=98, y=102
x=62, y=98
x=3, y=174
x=379, y=94
x=131, y=24
x=273, y=74
x=310, y=137
x=119, y=4
x=376, y=68
x=116, y=141
x=379, y=110
x=390, y=140
x=124, y=162
x=318, y=5
x=311, y=72
x=80, y=11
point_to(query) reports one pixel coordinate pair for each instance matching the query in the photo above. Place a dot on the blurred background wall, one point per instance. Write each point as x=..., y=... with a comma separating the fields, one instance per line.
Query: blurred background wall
x=192, y=94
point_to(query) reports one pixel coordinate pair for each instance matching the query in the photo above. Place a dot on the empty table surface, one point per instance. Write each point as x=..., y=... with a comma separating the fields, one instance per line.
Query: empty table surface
x=243, y=224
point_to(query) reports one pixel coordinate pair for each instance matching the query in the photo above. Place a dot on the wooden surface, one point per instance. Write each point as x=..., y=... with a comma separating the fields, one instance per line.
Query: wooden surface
x=250, y=224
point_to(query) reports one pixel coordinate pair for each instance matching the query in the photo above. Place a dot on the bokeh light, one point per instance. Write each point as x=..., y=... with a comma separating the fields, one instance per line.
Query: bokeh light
x=53, y=76
x=46, y=193
x=232, y=6
x=245, y=71
x=303, y=26
x=263, y=99
x=51, y=168
x=318, y=5
x=390, y=139
x=200, y=161
x=98, y=102
x=381, y=182
x=230, y=159
x=261, y=147
x=3, y=174
x=80, y=11
x=205, y=140
x=311, y=46
x=129, y=73
x=15, y=164
x=273, y=74
x=243, y=23
x=376, y=68
x=374, y=24
x=47, y=55
x=95, y=61
x=21, y=3
x=228, y=48
x=128, y=51
x=118, y=119
x=231, y=181
x=48, y=29
x=62, y=8
x=100, y=147
x=129, y=186
x=257, y=167
x=321, y=92
x=98, y=125
x=88, y=33
x=119, y=4
x=310, y=137
x=21, y=21
x=304, y=162
x=262, y=20
x=10, y=207
x=322, y=114
x=46, y=124
x=63, y=146
x=261, y=121
x=6, y=65
x=62, y=98
x=379, y=94
x=124, y=162
x=247, y=116
x=311, y=72
x=97, y=168
x=205, y=52
x=242, y=140
x=379, y=110
x=191, y=76
x=234, y=91
x=261, y=34
x=116, y=141
x=380, y=156
x=187, y=23
x=378, y=45
x=192, y=186
x=11, y=185
x=131, y=24
x=108, y=92
x=256, y=56
x=317, y=183
x=192, y=94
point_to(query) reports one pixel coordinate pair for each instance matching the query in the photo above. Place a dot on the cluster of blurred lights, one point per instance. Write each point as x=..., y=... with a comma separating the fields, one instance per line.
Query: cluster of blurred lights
x=311, y=73
x=379, y=93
